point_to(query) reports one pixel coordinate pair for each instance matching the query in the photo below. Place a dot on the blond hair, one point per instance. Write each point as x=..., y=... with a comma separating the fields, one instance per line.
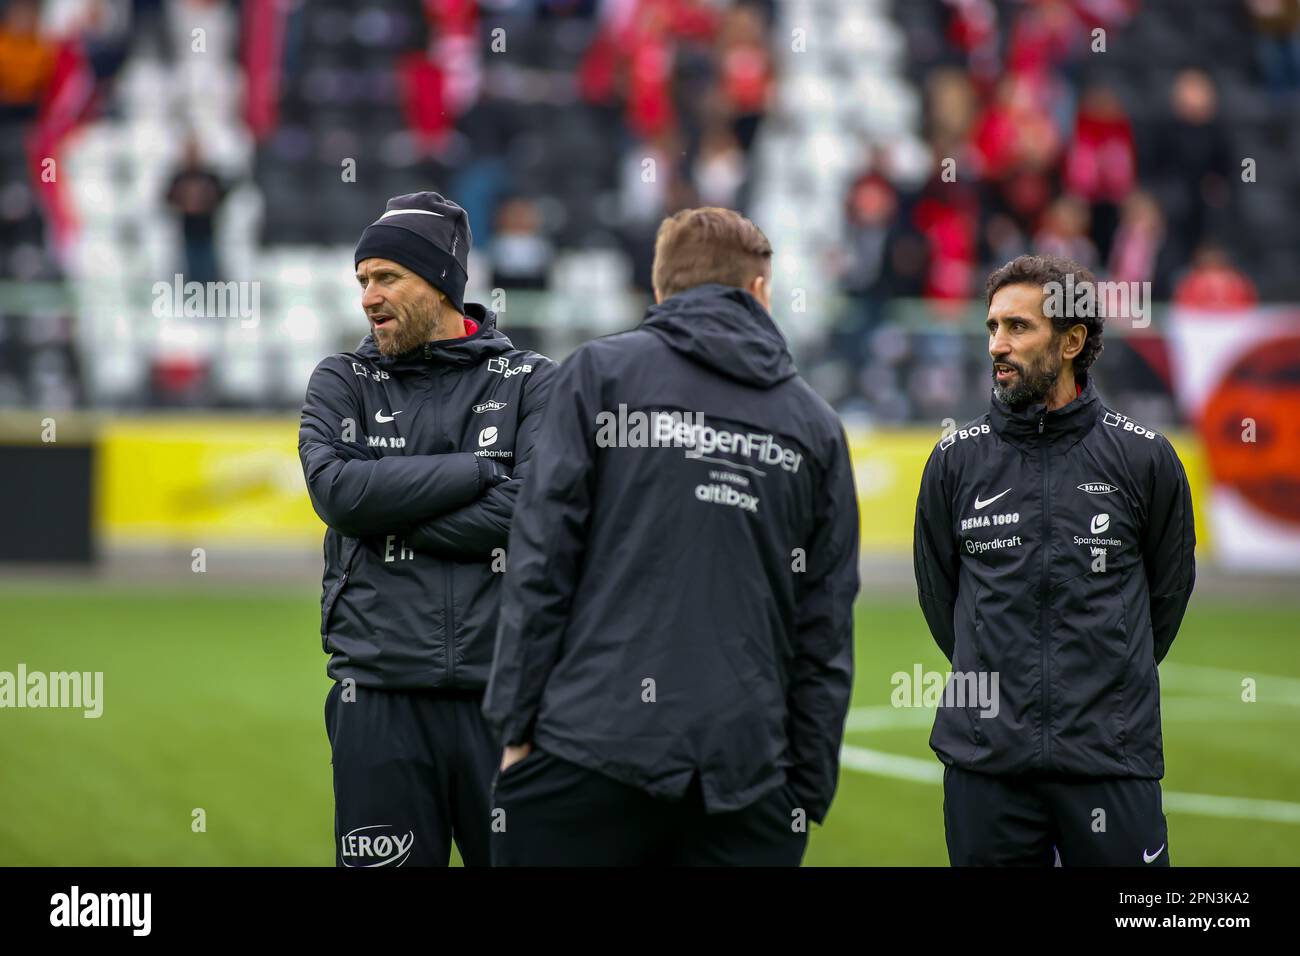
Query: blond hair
x=709, y=244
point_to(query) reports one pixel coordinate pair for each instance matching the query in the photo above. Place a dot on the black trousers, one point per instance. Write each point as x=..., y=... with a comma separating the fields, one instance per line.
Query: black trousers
x=556, y=813
x=412, y=772
x=1019, y=821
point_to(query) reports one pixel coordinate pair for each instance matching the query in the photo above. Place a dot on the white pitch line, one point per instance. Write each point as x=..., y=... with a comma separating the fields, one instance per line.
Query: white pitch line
x=899, y=767
x=1271, y=687
x=1174, y=709
x=1242, y=808
x=1215, y=688
x=890, y=765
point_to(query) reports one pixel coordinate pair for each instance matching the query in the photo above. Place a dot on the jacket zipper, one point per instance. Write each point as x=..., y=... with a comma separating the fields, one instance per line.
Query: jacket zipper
x=449, y=617
x=1043, y=596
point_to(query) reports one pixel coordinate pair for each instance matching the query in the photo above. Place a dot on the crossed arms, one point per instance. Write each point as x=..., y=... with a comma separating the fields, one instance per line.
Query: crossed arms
x=454, y=505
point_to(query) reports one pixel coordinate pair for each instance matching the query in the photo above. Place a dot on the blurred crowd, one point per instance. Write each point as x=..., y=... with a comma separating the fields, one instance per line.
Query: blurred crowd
x=1034, y=151
x=569, y=128
x=1040, y=159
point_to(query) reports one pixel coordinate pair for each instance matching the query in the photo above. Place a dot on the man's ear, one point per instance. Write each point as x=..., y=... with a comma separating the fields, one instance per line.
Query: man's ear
x=761, y=289
x=658, y=298
x=1075, y=337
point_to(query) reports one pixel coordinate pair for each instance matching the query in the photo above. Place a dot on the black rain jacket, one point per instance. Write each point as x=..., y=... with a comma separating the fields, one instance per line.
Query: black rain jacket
x=1054, y=549
x=415, y=548
x=684, y=611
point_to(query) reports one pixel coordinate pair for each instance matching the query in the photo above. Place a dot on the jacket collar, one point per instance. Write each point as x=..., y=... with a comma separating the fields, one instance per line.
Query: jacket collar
x=1069, y=423
x=486, y=342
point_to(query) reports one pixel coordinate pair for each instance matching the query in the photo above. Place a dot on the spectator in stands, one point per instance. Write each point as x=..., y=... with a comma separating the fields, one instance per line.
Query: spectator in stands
x=26, y=61
x=1100, y=165
x=1065, y=232
x=195, y=193
x=947, y=217
x=866, y=269
x=1003, y=239
x=973, y=30
x=1015, y=151
x=719, y=169
x=746, y=71
x=106, y=37
x=521, y=251
x=1046, y=35
x=951, y=105
x=1191, y=163
x=150, y=26
x=1135, y=251
x=1213, y=283
x=1277, y=42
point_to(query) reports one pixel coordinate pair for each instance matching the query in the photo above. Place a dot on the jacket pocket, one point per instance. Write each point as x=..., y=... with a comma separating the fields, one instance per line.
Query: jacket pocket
x=978, y=663
x=1121, y=722
x=331, y=597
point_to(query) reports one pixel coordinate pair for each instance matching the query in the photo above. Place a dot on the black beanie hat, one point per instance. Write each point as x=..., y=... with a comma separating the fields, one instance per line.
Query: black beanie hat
x=429, y=235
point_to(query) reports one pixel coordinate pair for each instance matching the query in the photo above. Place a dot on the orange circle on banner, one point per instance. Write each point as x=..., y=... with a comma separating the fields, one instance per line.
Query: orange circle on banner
x=1251, y=427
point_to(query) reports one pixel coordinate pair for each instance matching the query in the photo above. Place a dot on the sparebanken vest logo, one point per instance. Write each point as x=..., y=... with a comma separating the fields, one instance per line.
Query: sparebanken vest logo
x=378, y=845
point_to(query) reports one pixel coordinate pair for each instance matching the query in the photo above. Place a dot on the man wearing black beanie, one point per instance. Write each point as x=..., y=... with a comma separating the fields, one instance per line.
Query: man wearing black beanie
x=415, y=447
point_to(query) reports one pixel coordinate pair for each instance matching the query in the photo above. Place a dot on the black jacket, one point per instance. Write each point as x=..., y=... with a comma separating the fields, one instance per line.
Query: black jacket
x=682, y=611
x=416, y=539
x=1056, y=550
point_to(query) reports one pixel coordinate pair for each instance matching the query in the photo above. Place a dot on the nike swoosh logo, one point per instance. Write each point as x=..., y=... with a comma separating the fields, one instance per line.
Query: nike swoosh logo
x=1148, y=857
x=410, y=212
x=983, y=504
x=381, y=417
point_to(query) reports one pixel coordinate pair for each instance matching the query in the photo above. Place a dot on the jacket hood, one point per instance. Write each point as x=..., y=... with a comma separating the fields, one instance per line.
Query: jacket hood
x=727, y=330
x=1071, y=420
x=467, y=350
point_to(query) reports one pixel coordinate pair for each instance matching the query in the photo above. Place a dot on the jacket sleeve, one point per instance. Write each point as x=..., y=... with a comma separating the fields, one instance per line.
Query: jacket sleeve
x=821, y=677
x=935, y=560
x=473, y=532
x=359, y=498
x=1168, y=547
x=548, y=540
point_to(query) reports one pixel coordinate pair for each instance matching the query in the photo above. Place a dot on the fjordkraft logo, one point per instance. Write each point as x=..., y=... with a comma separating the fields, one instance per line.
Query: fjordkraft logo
x=1097, y=488
x=489, y=406
x=364, y=847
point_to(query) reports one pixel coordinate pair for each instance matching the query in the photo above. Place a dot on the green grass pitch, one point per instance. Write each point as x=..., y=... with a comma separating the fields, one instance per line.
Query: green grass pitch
x=213, y=699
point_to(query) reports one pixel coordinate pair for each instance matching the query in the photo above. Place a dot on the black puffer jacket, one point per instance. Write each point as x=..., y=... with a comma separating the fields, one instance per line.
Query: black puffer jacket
x=1055, y=549
x=415, y=546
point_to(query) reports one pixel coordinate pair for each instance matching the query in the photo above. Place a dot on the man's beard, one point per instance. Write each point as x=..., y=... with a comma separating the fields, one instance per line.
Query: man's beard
x=407, y=332
x=1032, y=385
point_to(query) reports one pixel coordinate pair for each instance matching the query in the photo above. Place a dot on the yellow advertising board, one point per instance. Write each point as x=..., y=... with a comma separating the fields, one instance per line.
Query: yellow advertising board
x=223, y=479
x=888, y=465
